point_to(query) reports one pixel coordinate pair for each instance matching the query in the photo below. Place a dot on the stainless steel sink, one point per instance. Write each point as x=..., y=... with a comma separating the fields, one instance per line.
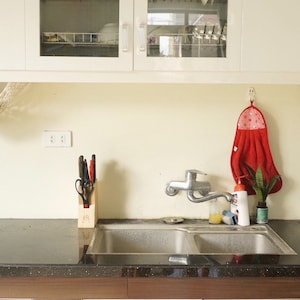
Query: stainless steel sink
x=252, y=240
x=141, y=239
x=184, y=239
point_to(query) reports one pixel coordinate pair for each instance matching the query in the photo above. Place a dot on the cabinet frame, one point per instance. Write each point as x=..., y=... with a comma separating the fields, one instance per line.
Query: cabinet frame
x=12, y=50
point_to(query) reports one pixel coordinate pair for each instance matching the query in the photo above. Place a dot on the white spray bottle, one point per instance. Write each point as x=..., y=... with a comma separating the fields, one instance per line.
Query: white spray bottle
x=239, y=206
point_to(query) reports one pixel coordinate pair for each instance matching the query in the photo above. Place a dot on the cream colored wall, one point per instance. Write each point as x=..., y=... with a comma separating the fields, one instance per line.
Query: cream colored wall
x=144, y=135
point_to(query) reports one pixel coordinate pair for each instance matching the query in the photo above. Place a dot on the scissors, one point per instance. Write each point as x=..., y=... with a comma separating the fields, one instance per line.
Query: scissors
x=84, y=185
x=84, y=190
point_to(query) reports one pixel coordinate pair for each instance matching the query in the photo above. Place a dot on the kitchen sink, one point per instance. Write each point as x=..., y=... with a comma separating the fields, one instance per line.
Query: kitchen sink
x=241, y=243
x=185, y=239
x=141, y=239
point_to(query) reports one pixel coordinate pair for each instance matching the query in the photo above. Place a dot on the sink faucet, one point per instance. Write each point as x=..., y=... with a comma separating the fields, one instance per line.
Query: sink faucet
x=191, y=185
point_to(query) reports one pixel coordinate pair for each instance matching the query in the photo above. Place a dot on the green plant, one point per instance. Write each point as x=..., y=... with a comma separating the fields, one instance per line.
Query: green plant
x=261, y=187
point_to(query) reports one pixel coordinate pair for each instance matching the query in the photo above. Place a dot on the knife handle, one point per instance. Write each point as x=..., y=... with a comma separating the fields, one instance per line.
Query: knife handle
x=80, y=166
x=92, y=174
x=93, y=168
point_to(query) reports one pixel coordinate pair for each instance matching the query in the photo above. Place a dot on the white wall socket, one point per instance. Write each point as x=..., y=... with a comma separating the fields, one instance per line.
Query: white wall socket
x=56, y=138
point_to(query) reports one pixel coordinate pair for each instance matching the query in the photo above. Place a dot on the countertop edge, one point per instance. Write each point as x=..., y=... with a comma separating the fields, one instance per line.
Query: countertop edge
x=80, y=271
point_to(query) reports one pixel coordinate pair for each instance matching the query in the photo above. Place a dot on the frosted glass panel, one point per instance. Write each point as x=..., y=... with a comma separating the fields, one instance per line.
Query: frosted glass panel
x=165, y=19
x=187, y=28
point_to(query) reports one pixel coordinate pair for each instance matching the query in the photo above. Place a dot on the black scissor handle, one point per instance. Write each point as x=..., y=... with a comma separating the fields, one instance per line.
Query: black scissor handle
x=81, y=190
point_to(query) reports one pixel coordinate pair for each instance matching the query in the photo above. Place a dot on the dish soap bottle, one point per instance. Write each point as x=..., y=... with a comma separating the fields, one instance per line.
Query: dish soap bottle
x=239, y=206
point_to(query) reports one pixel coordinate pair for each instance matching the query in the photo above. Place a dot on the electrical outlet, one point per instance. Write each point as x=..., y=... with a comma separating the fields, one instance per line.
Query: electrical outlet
x=57, y=138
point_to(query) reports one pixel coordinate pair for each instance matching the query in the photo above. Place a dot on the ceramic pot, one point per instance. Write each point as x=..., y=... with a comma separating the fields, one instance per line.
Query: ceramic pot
x=262, y=215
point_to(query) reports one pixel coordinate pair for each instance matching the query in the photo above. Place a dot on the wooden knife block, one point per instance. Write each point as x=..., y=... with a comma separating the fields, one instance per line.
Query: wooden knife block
x=87, y=217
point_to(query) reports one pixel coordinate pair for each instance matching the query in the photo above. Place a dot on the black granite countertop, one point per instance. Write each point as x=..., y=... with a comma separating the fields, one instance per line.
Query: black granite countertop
x=55, y=248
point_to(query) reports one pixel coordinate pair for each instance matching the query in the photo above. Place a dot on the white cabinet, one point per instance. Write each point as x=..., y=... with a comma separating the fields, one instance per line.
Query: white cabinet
x=134, y=53
x=12, y=35
x=270, y=36
x=257, y=42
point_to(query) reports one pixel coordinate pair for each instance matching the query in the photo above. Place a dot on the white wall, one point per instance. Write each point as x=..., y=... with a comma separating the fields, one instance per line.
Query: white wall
x=144, y=135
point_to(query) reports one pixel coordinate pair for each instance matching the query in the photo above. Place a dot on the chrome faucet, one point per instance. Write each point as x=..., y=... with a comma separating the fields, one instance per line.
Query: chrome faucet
x=191, y=185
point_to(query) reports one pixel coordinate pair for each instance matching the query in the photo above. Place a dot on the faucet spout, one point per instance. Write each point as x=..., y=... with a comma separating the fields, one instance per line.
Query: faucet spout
x=209, y=196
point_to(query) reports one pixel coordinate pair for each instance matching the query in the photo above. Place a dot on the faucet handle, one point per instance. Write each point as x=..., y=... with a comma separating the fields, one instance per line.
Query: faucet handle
x=194, y=171
x=192, y=174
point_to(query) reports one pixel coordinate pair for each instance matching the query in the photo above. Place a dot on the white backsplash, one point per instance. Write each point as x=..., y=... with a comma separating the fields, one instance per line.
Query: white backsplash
x=144, y=135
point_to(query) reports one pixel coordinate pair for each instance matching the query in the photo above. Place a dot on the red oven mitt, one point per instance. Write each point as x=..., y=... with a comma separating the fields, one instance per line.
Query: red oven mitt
x=251, y=148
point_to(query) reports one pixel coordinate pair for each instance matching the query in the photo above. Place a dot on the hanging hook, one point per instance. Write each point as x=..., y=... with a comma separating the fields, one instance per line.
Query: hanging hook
x=252, y=94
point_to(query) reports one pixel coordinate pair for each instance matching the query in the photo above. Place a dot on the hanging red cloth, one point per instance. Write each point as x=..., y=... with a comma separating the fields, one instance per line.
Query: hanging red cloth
x=251, y=148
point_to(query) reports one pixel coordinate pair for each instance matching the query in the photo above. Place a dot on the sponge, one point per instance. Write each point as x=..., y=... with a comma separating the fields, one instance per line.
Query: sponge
x=229, y=218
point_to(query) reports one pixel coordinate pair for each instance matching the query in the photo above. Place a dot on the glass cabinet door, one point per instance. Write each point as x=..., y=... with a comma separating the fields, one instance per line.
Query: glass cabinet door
x=187, y=28
x=79, y=28
x=188, y=34
x=79, y=34
x=126, y=35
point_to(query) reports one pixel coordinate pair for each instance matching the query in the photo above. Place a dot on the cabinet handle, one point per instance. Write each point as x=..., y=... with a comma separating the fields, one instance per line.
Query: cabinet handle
x=125, y=37
x=142, y=37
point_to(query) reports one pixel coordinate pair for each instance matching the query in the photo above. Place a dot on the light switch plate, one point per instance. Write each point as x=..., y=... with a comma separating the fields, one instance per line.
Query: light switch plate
x=57, y=138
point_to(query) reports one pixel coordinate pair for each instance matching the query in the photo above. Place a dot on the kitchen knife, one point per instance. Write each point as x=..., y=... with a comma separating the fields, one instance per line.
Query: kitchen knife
x=93, y=168
x=86, y=176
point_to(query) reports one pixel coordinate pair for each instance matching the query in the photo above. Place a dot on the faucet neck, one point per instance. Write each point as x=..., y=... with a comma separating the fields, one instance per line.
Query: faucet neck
x=209, y=196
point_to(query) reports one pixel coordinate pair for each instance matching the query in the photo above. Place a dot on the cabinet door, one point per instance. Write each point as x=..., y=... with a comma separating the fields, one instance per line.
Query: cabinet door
x=63, y=287
x=12, y=49
x=90, y=35
x=270, y=36
x=213, y=288
x=187, y=35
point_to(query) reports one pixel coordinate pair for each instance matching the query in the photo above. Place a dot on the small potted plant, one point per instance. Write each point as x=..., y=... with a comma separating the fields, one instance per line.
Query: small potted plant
x=262, y=189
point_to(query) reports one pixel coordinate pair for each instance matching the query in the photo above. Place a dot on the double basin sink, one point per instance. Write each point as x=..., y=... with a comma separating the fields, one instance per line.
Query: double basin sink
x=180, y=241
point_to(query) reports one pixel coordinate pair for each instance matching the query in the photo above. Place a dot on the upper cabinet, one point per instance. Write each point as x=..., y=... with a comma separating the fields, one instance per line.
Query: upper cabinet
x=12, y=49
x=123, y=35
x=270, y=36
x=207, y=41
